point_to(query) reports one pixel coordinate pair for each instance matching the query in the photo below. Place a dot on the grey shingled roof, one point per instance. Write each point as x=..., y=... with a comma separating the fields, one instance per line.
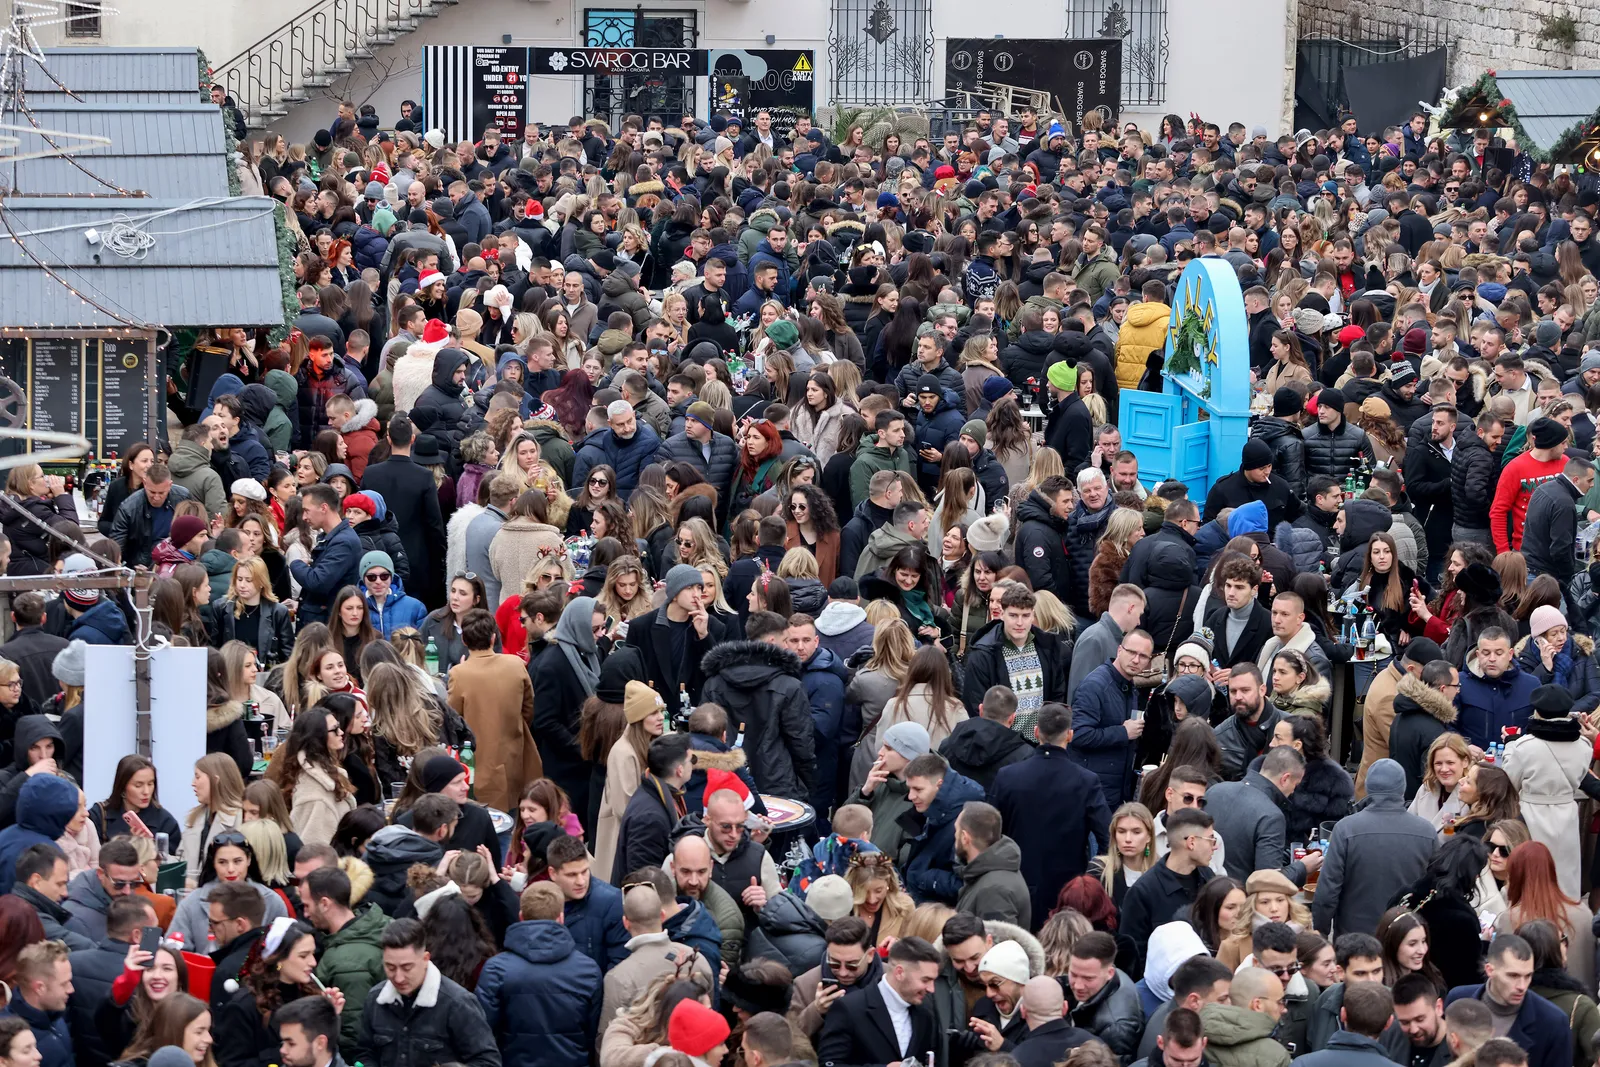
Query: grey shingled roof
x=1550, y=102
x=115, y=76
x=225, y=273
x=166, y=150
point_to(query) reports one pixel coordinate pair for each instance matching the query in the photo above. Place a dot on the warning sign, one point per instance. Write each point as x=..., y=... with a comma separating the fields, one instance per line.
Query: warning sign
x=802, y=68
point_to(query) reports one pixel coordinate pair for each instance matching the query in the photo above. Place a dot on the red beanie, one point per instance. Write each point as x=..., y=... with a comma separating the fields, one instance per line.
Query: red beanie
x=695, y=1029
x=362, y=501
x=1350, y=335
x=186, y=528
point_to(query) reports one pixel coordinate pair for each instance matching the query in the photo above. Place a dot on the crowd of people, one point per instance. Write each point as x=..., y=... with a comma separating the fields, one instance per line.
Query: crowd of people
x=678, y=596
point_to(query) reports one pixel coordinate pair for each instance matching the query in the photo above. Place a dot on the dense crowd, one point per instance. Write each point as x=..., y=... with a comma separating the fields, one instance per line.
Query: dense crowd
x=678, y=596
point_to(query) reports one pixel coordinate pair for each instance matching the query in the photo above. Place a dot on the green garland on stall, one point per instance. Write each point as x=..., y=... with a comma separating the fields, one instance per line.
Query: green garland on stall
x=1486, y=85
x=1565, y=148
x=286, y=280
x=1188, y=349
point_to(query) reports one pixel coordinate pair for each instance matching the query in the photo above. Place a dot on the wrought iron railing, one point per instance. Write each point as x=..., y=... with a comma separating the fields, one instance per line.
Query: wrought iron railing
x=881, y=51
x=312, y=50
x=1141, y=25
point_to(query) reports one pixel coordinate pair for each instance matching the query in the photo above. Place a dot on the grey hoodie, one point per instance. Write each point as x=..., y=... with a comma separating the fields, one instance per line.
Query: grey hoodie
x=87, y=901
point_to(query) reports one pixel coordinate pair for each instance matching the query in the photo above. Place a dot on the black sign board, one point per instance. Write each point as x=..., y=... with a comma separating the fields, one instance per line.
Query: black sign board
x=1080, y=76
x=499, y=91
x=688, y=62
x=779, y=81
x=98, y=387
x=53, y=378
x=121, y=379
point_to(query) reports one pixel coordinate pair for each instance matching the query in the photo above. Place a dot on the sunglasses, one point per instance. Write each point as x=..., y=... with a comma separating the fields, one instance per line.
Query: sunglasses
x=468, y=575
x=1503, y=851
x=377, y=576
x=230, y=838
x=133, y=883
x=598, y=481
x=1197, y=801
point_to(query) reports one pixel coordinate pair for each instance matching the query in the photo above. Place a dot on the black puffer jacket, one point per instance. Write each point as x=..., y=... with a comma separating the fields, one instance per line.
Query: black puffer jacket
x=1025, y=358
x=1042, y=544
x=1362, y=519
x=1474, y=470
x=1170, y=595
x=441, y=410
x=789, y=932
x=30, y=547
x=1084, y=528
x=1288, y=450
x=1335, y=453
x=763, y=682
x=1551, y=529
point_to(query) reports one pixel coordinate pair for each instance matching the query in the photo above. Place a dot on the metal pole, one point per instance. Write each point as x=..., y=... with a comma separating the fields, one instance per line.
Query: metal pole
x=141, y=674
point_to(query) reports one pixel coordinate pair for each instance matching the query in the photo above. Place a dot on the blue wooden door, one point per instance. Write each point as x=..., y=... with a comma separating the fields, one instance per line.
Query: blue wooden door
x=1150, y=423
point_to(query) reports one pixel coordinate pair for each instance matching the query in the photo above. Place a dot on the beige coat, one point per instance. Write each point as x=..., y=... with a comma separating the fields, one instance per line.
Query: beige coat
x=515, y=551
x=491, y=690
x=314, y=809
x=647, y=958
x=1376, y=721
x=623, y=772
x=195, y=840
x=1546, y=775
x=622, y=1044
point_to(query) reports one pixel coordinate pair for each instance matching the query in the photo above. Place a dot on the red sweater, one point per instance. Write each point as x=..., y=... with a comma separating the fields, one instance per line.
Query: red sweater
x=1518, y=479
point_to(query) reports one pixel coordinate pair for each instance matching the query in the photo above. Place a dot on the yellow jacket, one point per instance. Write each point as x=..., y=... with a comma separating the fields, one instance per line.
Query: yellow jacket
x=1144, y=331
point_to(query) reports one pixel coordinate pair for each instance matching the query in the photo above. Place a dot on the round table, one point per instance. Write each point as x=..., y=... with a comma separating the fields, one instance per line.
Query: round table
x=787, y=815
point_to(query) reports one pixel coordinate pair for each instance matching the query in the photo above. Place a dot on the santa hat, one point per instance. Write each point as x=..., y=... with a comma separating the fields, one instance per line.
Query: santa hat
x=717, y=779
x=429, y=278
x=534, y=209
x=435, y=335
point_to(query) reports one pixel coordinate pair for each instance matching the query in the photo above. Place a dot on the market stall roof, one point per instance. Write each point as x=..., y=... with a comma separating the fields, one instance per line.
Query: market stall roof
x=211, y=263
x=114, y=76
x=1550, y=102
x=166, y=150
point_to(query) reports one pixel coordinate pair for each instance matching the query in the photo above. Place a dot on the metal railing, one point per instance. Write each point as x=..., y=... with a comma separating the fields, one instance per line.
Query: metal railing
x=1141, y=26
x=312, y=50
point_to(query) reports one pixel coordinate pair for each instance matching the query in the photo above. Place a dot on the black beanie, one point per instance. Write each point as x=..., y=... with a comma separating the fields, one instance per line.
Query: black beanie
x=1286, y=402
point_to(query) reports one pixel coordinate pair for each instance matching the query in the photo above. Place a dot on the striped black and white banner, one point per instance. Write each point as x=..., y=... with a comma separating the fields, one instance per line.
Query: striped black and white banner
x=447, y=89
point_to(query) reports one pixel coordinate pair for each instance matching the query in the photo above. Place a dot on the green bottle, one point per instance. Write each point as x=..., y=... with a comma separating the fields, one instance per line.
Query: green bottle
x=430, y=658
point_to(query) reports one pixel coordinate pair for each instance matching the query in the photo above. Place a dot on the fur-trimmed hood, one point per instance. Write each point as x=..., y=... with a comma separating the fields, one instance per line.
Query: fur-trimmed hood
x=1310, y=698
x=223, y=715
x=642, y=188
x=1002, y=931
x=360, y=876
x=366, y=411
x=732, y=760
x=752, y=658
x=1585, y=645
x=1425, y=698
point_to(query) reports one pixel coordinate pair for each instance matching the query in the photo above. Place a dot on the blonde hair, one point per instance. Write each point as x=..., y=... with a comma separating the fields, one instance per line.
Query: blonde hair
x=892, y=646
x=257, y=569
x=705, y=542
x=1121, y=527
x=1111, y=862
x=717, y=395
x=897, y=907
x=707, y=568
x=1455, y=743
x=798, y=563
x=1051, y=614
x=927, y=921
x=227, y=787
x=265, y=838
x=1046, y=463
x=882, y=612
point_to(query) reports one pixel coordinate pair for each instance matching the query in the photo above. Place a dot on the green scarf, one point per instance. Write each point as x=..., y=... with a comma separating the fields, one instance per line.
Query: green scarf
x=916, y=602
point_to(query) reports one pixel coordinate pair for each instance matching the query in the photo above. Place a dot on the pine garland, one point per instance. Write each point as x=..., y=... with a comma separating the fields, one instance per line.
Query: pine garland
x=1566, y=147
x=286, y=281
x=1188, y=348
x=1488, y=88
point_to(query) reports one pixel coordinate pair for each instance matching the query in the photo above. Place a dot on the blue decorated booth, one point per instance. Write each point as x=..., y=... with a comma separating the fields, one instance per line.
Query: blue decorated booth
x=1194, y=429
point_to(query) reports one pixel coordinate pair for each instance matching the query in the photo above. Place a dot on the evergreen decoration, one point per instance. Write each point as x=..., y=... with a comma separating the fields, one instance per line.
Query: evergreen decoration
x=1188, y=349
x=1462, y=107
x=291, y=303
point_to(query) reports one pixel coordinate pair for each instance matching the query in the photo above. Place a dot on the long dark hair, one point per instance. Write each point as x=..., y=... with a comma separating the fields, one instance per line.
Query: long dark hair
x=127, y=767
x=355, y=827
x=231, y=839
x=260, y=972
x=1391, y=933
x=1193, y=743
x=308, y=737
x=918, y=558
x=899, y=336
x=930, y=668
x=1207, y=903
x=458, y=940
x=361, y=746
x=829, y=390
x=819, y=504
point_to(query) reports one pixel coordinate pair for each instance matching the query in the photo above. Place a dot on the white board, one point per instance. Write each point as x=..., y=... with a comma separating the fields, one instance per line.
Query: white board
x=178, y=720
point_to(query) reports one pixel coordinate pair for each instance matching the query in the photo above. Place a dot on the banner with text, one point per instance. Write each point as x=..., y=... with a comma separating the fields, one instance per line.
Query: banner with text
x=779, y=81
x=1078, y=76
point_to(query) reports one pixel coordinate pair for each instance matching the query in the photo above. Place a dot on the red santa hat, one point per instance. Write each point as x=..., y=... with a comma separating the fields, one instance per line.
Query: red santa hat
x=435, y=335
x=428, y=278
x=718, y=779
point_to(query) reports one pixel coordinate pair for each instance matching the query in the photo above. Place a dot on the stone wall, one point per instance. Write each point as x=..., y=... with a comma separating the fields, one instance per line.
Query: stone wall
x=1483, y=35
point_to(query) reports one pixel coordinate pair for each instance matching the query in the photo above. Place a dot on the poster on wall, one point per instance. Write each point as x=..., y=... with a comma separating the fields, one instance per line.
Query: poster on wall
x=499, y=91
x=779, y=81
x=1078, y=76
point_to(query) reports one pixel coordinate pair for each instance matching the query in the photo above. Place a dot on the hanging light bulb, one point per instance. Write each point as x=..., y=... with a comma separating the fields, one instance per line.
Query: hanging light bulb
x=1483, y=116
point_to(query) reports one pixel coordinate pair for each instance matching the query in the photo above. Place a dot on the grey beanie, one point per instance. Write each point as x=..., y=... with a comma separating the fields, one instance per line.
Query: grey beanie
x=1387, y=777
x=170, y=1056
x=68, y=664
x=909, y=739
x=681, y=577
x=1194, y=691
x=1547, y=333
x=1591, y=361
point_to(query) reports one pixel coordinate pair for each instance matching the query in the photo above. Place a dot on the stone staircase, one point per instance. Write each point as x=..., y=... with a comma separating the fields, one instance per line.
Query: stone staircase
x=313, y=50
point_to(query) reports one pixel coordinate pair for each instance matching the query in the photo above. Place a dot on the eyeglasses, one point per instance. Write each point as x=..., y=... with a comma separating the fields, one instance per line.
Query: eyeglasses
x=468, y=575
x=336, y=730
x=686, y=544
x=839, y=966
x=377, y=576
x=15, y=683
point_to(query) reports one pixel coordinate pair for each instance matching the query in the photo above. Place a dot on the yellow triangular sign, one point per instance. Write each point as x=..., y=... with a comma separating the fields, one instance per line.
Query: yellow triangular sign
x=802, y=65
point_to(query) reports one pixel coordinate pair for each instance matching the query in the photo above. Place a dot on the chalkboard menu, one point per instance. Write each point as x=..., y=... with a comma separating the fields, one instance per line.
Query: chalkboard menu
x=54, y=381
x=93, y=386
x=121, y=378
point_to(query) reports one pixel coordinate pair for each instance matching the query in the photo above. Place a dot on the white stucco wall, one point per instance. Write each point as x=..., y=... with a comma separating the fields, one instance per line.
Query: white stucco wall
x=1252, y=87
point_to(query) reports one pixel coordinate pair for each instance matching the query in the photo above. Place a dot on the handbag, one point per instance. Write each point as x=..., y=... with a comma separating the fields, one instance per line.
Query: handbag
x=1157, y=674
